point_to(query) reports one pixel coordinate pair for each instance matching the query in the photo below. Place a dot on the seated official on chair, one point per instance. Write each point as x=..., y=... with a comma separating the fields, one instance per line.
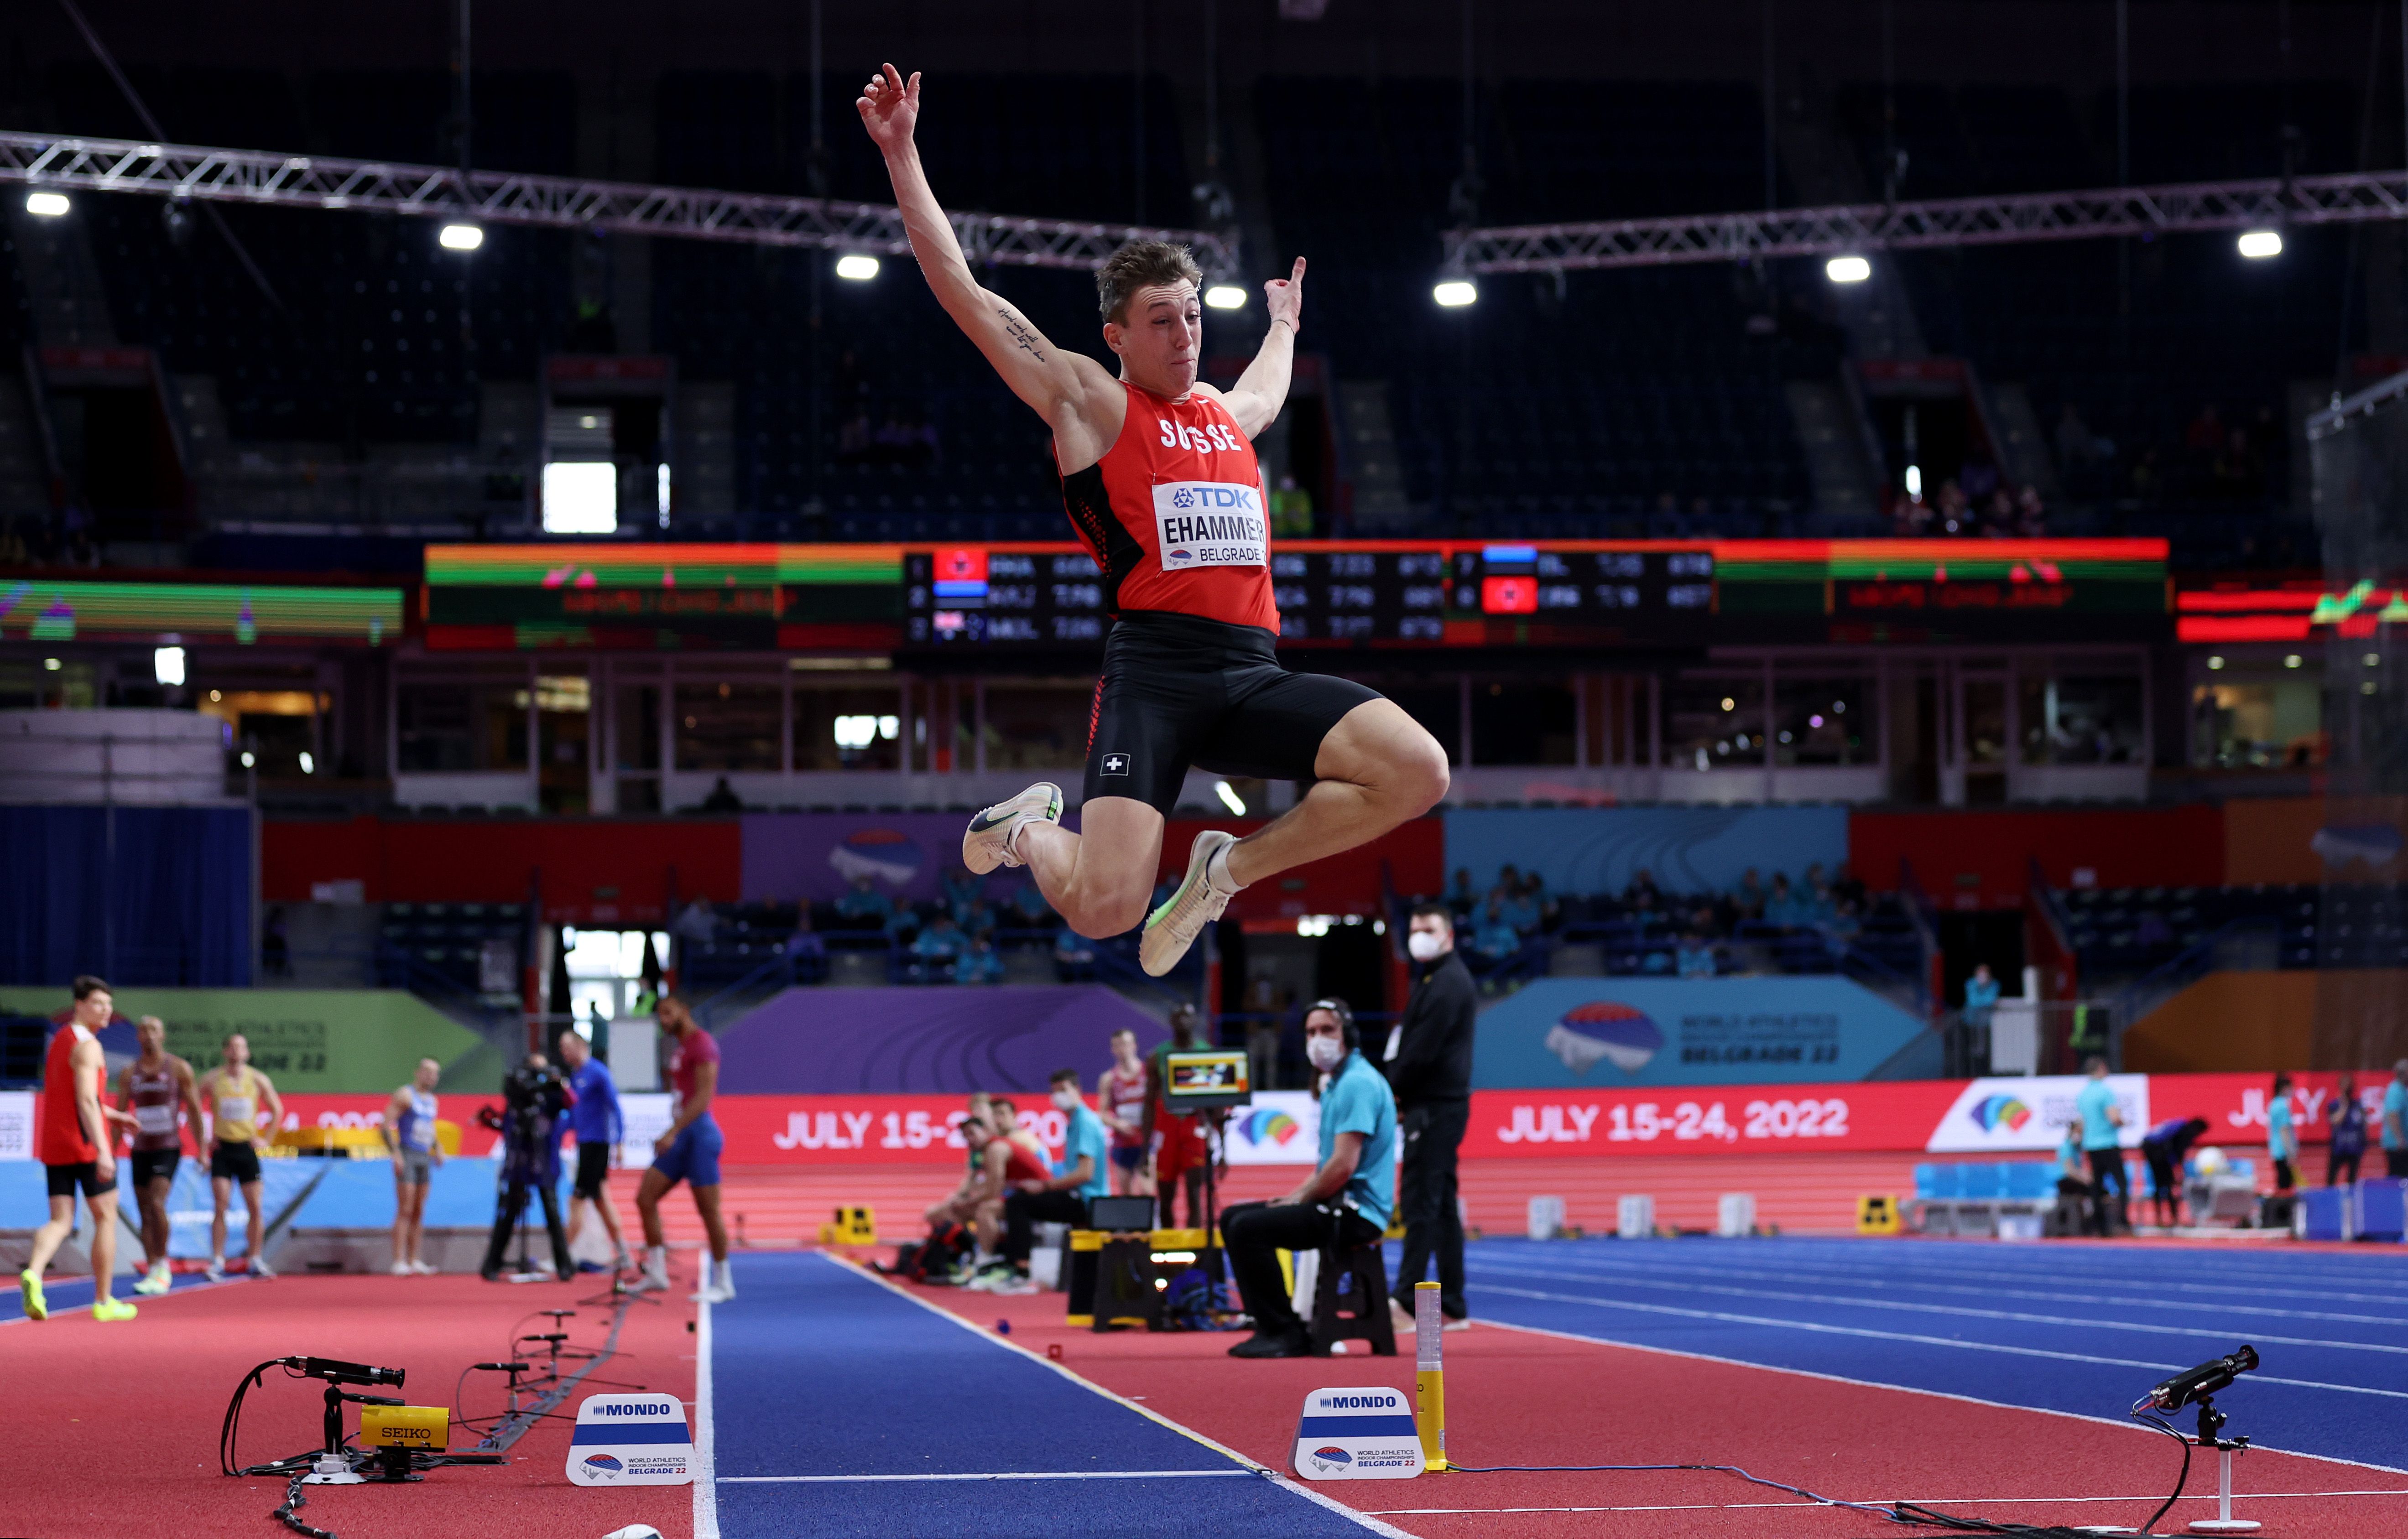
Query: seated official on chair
x=1345, y=1203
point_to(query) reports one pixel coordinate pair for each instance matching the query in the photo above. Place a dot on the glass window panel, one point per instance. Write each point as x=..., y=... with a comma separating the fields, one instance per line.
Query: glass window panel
x=841, y=725
x=1037, y=725
x=728, y=726
x=448, y=726
x=636, y=725
x=1521, y=723
x=2258, y=724
x=2082, y=718
x=1713, y=721
x=1824, y=722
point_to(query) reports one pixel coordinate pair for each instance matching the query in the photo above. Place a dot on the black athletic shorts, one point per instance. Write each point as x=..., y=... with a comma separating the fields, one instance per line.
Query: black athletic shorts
x=1177, y=691
x=592, y=1169
x=234, y=1162
x=154, y=1165
x=63, y=1179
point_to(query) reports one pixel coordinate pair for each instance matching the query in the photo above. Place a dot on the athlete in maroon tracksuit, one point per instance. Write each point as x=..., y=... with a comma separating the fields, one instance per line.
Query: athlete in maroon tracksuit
x=1159, y=476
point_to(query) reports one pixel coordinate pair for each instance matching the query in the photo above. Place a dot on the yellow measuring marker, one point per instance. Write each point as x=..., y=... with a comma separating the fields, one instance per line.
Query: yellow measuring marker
x=1429, y=1376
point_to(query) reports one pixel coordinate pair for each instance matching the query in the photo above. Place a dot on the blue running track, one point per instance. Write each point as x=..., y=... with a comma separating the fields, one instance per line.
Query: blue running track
x=840, y=1407
x=2080, y=1328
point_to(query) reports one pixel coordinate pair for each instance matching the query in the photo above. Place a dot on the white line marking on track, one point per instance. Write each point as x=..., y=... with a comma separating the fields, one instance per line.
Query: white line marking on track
x=2127, y=1425
x=705, y=1451
x=1721, y=1316
x=1907, y=1306
x=2073, y=1272
x=1903, y=1280
x=1001, y=1474
x=1285, y=1482
x=1917, y=1501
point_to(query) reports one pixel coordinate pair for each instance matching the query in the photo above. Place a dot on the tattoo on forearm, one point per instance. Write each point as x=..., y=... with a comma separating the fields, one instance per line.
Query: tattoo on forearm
x=1022, y=335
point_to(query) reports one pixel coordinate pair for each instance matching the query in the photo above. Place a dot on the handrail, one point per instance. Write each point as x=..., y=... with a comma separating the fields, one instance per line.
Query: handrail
x=2161, y=983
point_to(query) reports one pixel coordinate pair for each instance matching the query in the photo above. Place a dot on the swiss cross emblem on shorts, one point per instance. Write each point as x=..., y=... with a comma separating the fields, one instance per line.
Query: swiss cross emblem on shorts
x=1114, y=764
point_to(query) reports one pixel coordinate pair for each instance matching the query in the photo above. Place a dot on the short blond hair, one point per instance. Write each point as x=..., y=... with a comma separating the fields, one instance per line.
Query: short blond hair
x=1141, y=264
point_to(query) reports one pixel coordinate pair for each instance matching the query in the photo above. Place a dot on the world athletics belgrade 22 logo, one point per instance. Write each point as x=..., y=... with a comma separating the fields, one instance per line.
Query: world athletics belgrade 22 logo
x=1992, y=1112
x=1332, y=1458
x=1268, y=1125
x=1605, y=1029
x=602, y=1466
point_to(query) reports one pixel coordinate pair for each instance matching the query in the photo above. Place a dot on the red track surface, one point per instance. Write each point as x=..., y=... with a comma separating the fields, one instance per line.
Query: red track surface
x=1520, y=1398
x=113, y=1428
x=783, y=1204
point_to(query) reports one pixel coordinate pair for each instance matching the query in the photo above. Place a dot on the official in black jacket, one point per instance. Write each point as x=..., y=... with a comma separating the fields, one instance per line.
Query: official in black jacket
x=1429, y=1063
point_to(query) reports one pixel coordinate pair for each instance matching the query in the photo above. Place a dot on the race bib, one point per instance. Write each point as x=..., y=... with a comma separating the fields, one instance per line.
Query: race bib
x=234, y=1108
x=1209, y=523
x=155, y=1118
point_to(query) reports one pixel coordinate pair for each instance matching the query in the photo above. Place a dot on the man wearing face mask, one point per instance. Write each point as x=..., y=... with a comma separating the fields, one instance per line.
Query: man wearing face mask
x=1429, y=1063
x=1345, y=1202
x=1061, y=1198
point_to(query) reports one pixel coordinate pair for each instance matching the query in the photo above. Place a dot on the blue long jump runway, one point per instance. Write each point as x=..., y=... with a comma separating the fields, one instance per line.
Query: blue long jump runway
x=2081, y=1329
x=840, y=1407
x=66, y=1295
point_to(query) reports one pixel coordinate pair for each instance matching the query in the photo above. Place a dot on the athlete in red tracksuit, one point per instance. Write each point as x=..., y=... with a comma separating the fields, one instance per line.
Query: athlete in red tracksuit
x=1159, y=476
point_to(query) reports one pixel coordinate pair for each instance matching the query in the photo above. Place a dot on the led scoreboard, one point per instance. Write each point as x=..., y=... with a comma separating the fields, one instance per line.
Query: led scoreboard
x=1341, y=593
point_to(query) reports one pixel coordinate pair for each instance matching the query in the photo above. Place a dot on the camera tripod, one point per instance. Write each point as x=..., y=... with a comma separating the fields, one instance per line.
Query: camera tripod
x=2210, y=1435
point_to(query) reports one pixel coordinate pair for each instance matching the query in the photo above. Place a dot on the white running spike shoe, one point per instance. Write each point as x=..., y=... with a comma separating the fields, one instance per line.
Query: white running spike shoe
x=986, y=843
x=1171, y=929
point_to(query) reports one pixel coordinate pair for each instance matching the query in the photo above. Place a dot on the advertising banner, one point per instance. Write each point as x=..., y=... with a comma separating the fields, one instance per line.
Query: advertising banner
x=2024, y=1116
x=1612, y=1032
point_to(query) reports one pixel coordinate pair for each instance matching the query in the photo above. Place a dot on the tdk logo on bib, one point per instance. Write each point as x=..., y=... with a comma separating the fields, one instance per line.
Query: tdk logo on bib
x=1357, y=1435
x=1209, y=523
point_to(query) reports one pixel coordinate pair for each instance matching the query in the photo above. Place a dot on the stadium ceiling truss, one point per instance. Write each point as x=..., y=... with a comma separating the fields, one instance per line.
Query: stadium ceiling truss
x=1864, y=229
x=264, y=178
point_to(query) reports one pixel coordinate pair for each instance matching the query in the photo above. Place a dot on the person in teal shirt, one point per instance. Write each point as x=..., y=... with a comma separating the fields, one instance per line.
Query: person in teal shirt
x=2395, y=1122
x=1082, y=1173
x=2282, y=1133
x=1342, y=1205
x=2101, y=1144
x=1981, y=996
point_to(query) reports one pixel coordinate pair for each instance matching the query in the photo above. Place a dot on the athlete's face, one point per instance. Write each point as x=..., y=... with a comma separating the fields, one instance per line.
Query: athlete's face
x=152, y=1034
x=429, y=1072
x=238, y=1052
x=1124, y=1048
x=1163, y=341
x=93, y=1011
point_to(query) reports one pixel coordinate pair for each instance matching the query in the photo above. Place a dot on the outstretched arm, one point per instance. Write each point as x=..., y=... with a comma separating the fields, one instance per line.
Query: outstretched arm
x=1071, y=392
x=1255, y=399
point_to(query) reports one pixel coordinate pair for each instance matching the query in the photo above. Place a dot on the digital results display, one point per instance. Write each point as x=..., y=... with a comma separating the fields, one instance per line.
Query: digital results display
x=1339, y=594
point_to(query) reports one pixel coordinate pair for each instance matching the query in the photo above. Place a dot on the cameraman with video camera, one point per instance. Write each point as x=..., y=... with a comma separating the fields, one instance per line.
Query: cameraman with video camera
x=533, y=1098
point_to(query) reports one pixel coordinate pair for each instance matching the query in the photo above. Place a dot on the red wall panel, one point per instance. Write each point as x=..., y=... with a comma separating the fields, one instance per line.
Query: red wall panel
x=1981, y=859
x=590, y=871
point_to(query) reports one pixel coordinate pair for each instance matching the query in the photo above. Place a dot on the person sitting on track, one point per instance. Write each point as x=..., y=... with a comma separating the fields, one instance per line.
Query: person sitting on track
x=960, y=1206
x=1060, y=1196
x=1014, y=1156
x=1161, y=483
x=1344, y=1203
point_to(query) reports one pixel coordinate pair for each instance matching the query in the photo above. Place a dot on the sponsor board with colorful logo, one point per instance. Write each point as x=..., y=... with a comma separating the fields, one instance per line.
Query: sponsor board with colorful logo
x=1280, y=1128
x=631, y=1440
x=1361, y=1433
x=2030, y=1114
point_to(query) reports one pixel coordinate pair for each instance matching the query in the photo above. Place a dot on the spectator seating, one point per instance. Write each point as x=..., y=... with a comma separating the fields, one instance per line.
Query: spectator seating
x=440, y=946
x=2136, y=930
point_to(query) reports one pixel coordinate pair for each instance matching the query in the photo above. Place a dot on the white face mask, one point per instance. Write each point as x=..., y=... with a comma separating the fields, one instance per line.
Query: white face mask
x=1424, y=945
x=1067, y=1100
x=1327, y=1052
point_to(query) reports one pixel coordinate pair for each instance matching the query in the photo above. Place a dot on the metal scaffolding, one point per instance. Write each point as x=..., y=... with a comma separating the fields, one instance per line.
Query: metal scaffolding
x=261, y=178
x=1864, y=229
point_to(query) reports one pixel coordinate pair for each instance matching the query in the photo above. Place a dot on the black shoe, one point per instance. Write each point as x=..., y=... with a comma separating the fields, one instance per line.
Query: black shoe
x=1292, y=1342
x=490, y=1274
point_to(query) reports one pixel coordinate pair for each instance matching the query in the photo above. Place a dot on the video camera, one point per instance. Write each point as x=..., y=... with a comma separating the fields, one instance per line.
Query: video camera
x=532, y=1097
